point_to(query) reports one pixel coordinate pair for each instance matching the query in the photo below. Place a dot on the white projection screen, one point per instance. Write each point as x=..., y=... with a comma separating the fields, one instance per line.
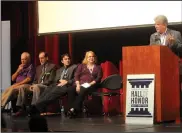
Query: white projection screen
x=71, y=16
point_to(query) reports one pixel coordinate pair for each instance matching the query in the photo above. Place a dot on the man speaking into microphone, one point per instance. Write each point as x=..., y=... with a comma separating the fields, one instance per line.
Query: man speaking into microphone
x=170, y=38
x=165, y=36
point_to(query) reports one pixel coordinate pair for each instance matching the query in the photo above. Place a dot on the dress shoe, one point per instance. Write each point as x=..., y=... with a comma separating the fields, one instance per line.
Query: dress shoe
x=21, y=112
x=71, y=114
x=33, y=111
x=2, y=109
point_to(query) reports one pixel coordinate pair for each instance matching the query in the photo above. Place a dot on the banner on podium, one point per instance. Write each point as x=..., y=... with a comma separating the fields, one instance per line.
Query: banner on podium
x=140, y=99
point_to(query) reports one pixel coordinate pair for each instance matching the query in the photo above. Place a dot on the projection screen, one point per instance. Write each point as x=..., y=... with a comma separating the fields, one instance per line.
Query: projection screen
x=71, y=16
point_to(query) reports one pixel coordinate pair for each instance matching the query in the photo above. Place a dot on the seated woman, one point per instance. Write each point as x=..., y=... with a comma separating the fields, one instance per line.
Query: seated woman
x=87, y=78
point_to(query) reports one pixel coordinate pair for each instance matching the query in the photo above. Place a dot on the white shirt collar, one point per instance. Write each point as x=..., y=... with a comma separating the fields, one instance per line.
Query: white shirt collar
x=164, y=32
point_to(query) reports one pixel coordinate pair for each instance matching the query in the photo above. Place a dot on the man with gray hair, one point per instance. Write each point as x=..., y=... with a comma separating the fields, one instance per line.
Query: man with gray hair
x=168, y=37
x=165, y=36
x=23, y=75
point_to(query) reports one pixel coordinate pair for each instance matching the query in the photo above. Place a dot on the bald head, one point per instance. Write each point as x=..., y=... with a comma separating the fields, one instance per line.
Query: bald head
x=25, y=58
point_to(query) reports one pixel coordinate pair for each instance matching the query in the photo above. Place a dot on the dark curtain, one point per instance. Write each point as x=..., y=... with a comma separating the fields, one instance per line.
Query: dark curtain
x=48, y=43
x=24, y=37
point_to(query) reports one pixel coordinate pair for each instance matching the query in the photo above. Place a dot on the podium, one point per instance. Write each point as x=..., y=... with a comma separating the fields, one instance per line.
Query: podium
x=162, y=62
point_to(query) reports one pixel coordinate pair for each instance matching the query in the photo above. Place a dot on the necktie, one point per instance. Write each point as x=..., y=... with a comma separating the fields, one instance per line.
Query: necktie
x=63, y=74
x=43, y=73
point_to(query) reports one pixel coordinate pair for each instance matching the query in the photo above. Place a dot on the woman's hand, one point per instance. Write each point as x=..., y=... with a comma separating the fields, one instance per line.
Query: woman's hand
x=78, y=88
x=92, y=83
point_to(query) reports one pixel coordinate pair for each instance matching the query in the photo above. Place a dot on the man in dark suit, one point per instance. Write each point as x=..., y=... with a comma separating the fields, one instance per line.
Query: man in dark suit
x=170, y=38
x=44, y=77
x=63, y=83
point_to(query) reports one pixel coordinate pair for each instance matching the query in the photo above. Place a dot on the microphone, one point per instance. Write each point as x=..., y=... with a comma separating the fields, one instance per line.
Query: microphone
x=157, y=37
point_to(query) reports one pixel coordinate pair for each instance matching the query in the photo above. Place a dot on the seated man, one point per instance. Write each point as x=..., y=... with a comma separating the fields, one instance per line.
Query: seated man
x=24, y=75
x=63, y=82
x=44, y=77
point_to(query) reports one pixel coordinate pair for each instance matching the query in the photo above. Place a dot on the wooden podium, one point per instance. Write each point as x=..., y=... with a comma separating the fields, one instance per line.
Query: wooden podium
x=162, y=62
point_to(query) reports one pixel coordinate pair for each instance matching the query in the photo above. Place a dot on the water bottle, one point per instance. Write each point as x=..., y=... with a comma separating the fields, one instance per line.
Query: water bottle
x=62, y=111
x=84, y=111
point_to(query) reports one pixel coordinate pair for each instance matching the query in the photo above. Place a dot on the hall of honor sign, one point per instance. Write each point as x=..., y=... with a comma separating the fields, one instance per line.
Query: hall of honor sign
x=140, y=99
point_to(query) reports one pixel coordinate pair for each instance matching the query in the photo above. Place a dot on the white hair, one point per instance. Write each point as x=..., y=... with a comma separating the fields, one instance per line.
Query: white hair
x=27, y=55
x=162, y=19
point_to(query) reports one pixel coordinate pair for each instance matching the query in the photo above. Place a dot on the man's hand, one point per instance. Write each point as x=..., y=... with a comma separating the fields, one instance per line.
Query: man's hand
x=170, y=40
x=31, y=88
x=20, y=67
x=62, y=82
x=14, y=85
x=15, y=75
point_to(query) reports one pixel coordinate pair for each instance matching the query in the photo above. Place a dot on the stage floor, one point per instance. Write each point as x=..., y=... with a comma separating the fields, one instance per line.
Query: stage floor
x=89, y=124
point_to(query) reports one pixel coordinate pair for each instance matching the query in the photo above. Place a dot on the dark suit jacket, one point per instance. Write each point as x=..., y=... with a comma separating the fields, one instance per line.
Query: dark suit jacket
x=48, y=76
x=176, y=47
x=70, y=73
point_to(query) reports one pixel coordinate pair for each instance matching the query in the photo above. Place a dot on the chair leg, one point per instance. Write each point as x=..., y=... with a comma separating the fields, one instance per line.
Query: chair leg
x=84, y=108
x=60, y=105
x=104, y=112
x=108, y=114
x=84, y=111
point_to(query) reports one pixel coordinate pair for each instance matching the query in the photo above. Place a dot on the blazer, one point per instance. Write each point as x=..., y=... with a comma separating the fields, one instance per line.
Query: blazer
x=83, y=74
x=47, y=76
x=70, y=74
x=176, y=47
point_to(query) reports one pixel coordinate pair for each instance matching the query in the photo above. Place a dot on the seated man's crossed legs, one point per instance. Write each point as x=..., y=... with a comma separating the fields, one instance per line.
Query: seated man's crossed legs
x=48, y=96
x=23, y=96
x=10, y=94
x=37, y=89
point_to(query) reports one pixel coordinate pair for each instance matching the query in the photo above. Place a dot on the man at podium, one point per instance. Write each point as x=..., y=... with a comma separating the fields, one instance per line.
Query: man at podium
x=168, y=37
x=165, y=36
